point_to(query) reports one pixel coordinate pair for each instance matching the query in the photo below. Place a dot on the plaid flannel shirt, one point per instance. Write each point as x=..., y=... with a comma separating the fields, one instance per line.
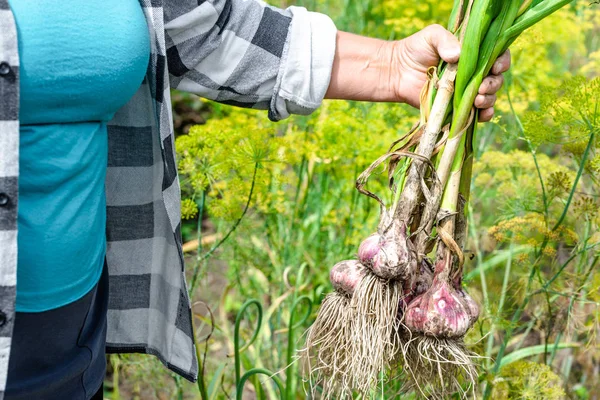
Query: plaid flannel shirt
x=239, y=52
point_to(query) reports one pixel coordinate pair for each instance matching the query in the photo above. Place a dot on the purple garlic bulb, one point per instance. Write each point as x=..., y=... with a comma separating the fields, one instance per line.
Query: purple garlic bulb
x=387, y=255
x=440, y=311
x=472, y=306
x=346, y=275
x=369, y=248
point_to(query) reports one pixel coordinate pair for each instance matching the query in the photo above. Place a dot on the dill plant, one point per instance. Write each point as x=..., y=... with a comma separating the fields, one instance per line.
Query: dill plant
x=528, y=381
x=558, y=227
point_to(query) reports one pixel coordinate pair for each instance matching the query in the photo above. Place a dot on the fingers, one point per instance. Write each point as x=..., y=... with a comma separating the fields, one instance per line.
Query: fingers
x=448, y=48
x=485, y=103
x=486, y=115
x=491, y=84
x=443, y=42
x=502, y=64
x=485, y=100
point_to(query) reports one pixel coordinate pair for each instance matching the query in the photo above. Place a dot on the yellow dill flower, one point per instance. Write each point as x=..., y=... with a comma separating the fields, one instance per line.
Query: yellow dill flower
x=529, y=380
x=189, y=209
x=549, y=251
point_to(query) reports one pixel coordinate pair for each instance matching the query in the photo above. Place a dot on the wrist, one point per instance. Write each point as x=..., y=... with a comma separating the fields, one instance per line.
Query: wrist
x=364, y=69
x=388, y=72
x=395, y=65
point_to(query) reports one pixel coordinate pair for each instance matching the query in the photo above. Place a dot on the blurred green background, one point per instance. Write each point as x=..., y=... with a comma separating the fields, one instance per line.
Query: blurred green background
x=269, y=208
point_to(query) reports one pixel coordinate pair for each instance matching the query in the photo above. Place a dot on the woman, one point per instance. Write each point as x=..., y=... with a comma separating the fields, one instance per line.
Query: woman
x=88, y=179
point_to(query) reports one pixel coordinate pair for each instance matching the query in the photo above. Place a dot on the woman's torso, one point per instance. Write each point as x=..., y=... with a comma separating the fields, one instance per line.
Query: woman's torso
x=80, y=62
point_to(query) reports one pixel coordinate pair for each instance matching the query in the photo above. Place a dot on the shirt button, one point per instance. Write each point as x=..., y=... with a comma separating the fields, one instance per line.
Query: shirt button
x=3, y=199
x=4, y=68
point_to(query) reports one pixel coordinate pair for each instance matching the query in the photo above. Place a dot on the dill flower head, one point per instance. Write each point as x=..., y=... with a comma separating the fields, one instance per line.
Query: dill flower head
x=189, y=209
x=529, y=380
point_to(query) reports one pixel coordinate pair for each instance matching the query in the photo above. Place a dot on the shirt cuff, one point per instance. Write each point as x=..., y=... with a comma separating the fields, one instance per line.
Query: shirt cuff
x=306, y=64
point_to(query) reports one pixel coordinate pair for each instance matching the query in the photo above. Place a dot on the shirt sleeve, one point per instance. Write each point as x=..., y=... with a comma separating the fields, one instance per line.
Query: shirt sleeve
x=249, y=54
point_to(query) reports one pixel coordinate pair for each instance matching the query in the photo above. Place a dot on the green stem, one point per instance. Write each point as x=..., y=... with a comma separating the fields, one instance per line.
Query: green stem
x=457, y=15
x=115, y=360
x=178, y=386
x=256, y=371
x=524, y=7
x=476, y=29
x=461, y=164
x=196, y=272
x=503, y=292
x=236, y=335
x=490, y=50
x=579, y=173
x=292, y=326
x=202, y=357
x=466, y=177
x=562, y=268
x=482, y=277
x=238, y=221
x=452, y=155
x=535, y=15
x=200, y=383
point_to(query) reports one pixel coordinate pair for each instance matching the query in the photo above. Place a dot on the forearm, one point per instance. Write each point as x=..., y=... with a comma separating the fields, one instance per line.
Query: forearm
x=363, y=69
x=376, y=70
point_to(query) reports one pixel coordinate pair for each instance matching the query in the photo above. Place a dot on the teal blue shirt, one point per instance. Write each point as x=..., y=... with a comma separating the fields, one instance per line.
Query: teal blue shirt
x=80, y=62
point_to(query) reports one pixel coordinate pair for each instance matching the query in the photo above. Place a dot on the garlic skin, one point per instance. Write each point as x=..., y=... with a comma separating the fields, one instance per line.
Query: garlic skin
x=472, y=306
x=369, y=248
x=440, y=312
x=423, y=280
x=418, y=286
x=388, y=255
x=346, y=275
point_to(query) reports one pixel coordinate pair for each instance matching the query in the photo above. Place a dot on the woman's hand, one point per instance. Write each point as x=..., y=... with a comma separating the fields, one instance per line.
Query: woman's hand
x=377, y=70
x=414, y=55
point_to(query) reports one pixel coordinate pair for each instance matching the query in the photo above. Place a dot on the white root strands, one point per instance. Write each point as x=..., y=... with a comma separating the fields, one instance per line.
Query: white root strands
x=375, y=341
x=327, y=356
x=437, y=368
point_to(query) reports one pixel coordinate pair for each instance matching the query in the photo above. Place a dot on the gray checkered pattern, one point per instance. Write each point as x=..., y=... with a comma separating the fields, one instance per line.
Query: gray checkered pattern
x=233, y=51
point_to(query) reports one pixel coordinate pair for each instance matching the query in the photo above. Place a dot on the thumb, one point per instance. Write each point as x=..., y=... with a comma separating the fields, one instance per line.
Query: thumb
x=443, y=42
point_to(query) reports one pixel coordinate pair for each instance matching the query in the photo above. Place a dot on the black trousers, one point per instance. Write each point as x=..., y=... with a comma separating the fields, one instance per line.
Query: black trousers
x=99, y=394
x=60, y=354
